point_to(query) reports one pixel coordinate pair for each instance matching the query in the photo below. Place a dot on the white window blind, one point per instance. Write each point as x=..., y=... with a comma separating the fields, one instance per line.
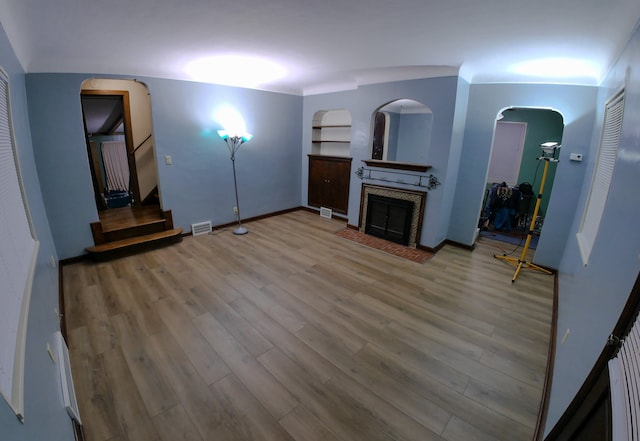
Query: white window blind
x=18, y=252
x=602, y=175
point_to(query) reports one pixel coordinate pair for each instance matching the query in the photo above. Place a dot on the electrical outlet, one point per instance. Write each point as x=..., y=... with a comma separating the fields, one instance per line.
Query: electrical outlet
x=235, y=210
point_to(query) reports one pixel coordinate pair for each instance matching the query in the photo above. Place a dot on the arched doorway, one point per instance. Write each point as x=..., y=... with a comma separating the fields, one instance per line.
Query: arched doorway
x=120, y=143
x=515, y=172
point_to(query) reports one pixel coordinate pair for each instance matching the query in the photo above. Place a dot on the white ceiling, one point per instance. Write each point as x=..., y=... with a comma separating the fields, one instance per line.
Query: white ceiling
x=325, y=45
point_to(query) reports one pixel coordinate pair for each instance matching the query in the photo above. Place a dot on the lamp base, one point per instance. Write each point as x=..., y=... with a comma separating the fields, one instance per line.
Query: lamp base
x=240, y=230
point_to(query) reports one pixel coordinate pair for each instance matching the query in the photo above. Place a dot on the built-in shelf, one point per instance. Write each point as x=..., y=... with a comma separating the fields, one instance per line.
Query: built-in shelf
x=397, y=165
x=330, y=140
x=331, y=134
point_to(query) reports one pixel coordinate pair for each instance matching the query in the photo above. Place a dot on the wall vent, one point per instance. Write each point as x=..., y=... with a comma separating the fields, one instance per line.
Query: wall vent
x=201, y=228
x=326, y=212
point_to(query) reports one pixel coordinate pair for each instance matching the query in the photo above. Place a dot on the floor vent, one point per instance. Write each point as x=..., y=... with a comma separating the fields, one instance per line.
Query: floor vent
x=326, y=212
x=201, y=228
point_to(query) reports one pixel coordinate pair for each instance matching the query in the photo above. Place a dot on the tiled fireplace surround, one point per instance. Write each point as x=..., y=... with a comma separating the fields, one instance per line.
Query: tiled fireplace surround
x=417, y=197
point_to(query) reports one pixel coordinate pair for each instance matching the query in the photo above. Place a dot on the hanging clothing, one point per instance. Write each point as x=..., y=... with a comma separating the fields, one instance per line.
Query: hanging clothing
x=116, y=165
x=503, y=206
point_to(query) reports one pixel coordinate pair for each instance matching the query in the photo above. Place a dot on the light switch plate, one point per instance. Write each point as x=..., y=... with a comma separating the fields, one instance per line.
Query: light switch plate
x=168, y=160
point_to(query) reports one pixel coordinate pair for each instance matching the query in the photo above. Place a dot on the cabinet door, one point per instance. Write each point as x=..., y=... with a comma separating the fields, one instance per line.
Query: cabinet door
x=329, y=179
x=317, y=182
x=338, y=189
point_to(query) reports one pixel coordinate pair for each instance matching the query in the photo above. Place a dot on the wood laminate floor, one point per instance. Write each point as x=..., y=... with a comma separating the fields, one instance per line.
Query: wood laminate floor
x=292, y=333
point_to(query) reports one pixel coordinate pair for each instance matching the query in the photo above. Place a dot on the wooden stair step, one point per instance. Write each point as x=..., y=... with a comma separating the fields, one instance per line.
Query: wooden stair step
x=132, y=224
x=137, y=242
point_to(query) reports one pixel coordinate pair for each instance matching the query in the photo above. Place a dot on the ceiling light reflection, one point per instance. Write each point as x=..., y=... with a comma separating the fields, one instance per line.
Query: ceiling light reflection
x=235, y=70
x=558, y=68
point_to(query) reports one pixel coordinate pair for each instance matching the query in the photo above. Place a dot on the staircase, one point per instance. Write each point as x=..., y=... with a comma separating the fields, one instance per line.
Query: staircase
x=127, y=230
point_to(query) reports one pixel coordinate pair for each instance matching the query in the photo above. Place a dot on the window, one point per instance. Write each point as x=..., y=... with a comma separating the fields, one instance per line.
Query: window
x=602, y=175
x=18, y=252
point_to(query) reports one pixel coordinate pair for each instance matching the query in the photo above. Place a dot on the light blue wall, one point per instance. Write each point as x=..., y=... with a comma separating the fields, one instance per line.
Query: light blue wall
x=591, y=297
x=45, y=418
x=394, y=131
x=199, y=184
x=61, y=156
x=457, y=139
x=413, y=138
x=577, y=106
x=439, y=94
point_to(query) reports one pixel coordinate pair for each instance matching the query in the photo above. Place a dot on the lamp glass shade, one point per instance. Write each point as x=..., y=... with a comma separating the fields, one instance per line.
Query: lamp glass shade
x=224, y=134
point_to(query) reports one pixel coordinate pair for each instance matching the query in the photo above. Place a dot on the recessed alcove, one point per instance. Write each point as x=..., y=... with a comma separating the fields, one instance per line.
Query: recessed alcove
x=331, y=132
x=401, y=133
x=330, y=161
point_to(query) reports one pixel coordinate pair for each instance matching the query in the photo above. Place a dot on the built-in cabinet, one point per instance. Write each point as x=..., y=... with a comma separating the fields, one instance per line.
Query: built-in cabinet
x=329, y=161
x=329, y=178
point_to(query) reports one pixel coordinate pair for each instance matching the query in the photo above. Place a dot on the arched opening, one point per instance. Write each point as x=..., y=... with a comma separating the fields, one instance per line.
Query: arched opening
x=514, y=174
x=401, y=132
x=120, y=143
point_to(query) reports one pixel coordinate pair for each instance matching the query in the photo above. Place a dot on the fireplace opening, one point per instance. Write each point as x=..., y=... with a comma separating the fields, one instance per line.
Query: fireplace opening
x=389, y=218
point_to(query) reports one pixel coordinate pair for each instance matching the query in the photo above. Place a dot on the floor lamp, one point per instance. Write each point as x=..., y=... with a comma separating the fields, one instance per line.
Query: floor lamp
x=234, y=141
x=548, y=156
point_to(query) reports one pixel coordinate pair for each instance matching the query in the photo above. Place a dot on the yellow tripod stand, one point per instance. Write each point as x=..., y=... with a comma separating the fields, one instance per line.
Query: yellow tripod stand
x=521, y=262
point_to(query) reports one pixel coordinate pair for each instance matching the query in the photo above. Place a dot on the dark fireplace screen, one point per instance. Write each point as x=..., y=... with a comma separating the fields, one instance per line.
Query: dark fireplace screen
x=389, y=218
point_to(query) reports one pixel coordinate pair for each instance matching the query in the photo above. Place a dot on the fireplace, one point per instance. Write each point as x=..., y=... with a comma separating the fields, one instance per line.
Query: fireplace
x=394, y=214
x=389, y=218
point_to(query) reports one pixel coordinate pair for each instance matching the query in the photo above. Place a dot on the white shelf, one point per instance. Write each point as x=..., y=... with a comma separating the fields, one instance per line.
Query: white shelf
x=331, y=133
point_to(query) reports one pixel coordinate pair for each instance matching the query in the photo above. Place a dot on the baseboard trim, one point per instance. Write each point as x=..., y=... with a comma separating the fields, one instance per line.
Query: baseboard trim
x=456, y=244
x=255, y=218
x=543, y=409
x=72, y=260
